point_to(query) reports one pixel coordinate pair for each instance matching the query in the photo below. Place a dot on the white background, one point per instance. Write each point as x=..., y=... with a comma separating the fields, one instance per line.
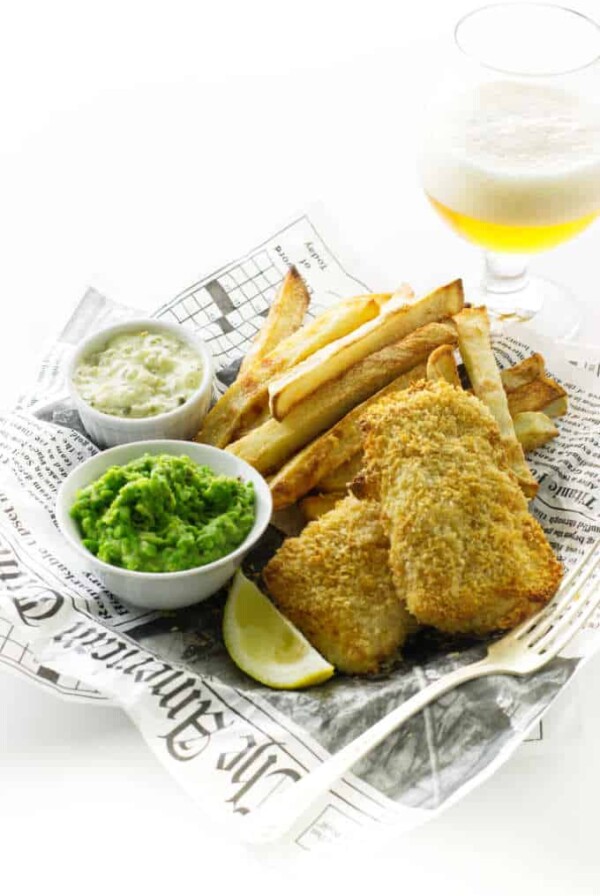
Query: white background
x=141, y=145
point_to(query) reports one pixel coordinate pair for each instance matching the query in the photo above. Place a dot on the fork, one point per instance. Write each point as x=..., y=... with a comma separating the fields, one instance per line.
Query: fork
x=524, y=650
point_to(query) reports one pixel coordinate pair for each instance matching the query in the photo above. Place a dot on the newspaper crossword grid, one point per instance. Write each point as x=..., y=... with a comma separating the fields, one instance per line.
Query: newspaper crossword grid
x=19, y=657
x=225, y=305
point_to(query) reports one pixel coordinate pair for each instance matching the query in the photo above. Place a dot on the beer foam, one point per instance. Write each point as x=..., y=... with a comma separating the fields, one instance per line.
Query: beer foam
x=514, y=153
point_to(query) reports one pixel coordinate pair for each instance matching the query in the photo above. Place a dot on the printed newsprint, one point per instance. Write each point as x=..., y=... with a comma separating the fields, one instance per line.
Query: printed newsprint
x=232, y=743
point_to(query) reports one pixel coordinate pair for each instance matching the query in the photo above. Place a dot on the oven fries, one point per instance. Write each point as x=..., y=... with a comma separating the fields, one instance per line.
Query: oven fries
x=396, y=321
x=442, y=366
x=526, y=385
x=316, y=505
x=246, y=398
x=535, y=396
x=476, y=351
x=326, y=453
x=522, y=374
x=337, y=480
x=295, y=412
x=529, y=390
x=534, y=429
x=557, y=408
x=268, y=446
x=284, y=318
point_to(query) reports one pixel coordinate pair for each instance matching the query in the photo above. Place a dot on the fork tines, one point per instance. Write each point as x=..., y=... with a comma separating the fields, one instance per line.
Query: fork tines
x=552, y=628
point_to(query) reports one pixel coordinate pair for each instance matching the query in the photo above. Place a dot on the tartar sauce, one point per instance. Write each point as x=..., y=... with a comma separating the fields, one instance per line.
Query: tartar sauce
x=139, y=375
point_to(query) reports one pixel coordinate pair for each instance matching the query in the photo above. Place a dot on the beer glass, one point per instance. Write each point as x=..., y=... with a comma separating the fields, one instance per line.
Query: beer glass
x=510, y=150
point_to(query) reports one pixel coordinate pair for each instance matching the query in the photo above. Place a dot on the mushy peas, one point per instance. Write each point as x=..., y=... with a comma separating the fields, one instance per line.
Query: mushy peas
x=161, y=513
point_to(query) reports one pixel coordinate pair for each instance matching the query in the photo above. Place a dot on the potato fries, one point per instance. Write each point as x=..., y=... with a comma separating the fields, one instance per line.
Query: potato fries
x=316, y=505
x=557, y=408
x=534, y=429
x=337, y=480
x=246, y=398
x=396, y=321
x=284, y=318
x=326, y=453
x=476, y=350
x=442, y=366
x=268, y=446
x=522, y=374
x=535, y=396
x=295, y=410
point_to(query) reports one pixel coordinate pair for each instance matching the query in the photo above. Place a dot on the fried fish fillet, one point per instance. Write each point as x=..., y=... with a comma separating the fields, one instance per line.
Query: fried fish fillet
x=465, y=553
x=334, y=583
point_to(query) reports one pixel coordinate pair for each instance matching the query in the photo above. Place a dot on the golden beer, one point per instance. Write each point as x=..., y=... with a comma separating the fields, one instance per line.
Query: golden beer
x=521, y=238
x=509, y=151
x=514, y=167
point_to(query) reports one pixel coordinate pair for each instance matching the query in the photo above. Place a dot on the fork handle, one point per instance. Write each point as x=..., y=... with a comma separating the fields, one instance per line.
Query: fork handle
x=279, y=815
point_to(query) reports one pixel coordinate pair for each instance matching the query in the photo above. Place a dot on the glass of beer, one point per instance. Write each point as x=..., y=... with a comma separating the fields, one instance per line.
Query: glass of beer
x=510, y=154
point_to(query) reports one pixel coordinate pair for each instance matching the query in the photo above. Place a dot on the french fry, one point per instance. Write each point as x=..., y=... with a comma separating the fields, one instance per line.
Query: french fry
x=246, y=397
x=534, y=429
x=397, y=320
x=337, y=480
x=306, y=469
x=382, y=298
x=534, y=396
x=528, y=389
x=284, y=318
x=476, y=350
x=522, y=374
x=557, y=408
x=315, y=506
x=259, y=416
x=268, y=446
x=441, y=365
x=261, y=413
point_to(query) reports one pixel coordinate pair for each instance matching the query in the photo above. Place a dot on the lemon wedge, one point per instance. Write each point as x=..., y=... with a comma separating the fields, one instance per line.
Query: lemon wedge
x=264, y=644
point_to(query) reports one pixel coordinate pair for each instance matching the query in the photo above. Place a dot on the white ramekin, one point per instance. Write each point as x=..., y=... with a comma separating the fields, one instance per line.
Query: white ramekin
x=163, y=590
x=181, y=423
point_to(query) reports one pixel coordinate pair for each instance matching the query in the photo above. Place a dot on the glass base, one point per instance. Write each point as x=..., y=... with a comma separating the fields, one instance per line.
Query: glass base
x=552, y=309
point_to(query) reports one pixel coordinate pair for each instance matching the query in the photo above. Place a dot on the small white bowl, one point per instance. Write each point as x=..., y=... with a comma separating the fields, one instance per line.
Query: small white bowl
x=163, y=590
x=180, y=423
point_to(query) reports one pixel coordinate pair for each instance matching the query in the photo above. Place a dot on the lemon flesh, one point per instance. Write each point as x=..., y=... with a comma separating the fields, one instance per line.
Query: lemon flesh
x=264, y=644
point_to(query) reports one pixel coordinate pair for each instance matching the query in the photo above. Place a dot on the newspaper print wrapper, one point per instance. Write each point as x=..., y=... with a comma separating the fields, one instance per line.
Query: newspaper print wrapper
x=232, y=743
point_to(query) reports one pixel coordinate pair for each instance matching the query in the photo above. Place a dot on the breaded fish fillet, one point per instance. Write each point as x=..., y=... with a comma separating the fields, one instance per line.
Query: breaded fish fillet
x=465, y=553
x=334, y=583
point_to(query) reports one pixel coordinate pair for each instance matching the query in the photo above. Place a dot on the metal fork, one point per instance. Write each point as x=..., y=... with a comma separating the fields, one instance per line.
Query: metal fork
x=522, y=651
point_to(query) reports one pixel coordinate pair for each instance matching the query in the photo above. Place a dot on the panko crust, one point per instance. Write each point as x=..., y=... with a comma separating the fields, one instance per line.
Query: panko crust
x=334, y=583
x=465, y=553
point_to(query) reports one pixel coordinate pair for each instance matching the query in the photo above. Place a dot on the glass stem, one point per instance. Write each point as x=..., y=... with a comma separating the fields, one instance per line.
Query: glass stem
x=505, y=273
